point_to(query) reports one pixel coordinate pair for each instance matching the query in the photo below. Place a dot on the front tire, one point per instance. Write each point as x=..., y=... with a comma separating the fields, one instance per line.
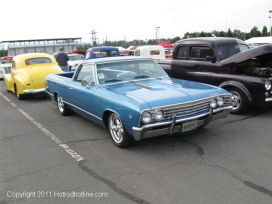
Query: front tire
x=62, y=106
x=240, y=104
x=118, y=133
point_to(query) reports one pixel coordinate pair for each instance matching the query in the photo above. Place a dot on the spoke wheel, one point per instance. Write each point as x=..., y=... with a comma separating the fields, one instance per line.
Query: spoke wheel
x=62, y=106
x=118, y=133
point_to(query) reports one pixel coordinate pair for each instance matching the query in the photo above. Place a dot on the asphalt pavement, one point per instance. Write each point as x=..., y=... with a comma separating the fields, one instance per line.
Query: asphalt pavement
x=49, y=158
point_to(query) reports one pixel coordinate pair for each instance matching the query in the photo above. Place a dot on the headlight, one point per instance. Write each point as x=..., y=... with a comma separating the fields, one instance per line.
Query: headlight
x=146, y=117
x=267, y=85
x=213, y=103
x=158, y=114
x=220, y=101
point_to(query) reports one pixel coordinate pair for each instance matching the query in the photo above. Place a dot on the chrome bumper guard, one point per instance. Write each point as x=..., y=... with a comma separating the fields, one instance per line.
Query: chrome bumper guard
x=140, y=133
x=268, y=99
x=34, y=91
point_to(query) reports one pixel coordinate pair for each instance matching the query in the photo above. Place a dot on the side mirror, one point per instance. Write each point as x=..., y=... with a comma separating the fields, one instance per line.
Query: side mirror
x=210, y=58
x=84, y=82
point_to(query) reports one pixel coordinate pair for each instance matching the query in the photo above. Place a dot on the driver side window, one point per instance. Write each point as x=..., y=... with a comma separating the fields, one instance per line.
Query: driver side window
x=86, y=73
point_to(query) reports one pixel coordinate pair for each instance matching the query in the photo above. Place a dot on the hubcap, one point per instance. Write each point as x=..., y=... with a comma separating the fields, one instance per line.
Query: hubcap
x=116, y=128
x=236, y=99
x=60, y=104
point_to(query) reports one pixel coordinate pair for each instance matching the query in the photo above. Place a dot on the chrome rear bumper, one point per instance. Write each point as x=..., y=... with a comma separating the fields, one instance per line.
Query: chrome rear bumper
x=34, y=91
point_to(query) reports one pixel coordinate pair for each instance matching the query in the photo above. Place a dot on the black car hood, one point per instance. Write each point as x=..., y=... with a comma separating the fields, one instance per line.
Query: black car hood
x=262, y=53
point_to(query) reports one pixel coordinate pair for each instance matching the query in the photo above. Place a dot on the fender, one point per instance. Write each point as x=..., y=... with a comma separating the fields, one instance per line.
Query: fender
x=8, y=82
x=237, y=85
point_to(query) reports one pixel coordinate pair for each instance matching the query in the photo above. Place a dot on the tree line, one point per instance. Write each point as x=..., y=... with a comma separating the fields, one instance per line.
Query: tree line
x=254, y=32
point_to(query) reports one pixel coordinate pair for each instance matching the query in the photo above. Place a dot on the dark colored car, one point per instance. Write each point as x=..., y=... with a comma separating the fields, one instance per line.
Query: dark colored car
x=229, y=64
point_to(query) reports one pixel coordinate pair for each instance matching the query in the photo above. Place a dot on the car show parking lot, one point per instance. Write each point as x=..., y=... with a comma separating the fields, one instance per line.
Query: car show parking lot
x=49, y=158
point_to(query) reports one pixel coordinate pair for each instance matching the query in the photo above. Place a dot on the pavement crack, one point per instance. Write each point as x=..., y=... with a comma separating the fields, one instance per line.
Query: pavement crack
x=110, y=184
x=199, y=150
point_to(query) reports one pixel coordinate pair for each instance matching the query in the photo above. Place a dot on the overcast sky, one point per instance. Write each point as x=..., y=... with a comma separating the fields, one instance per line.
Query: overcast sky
x=127, y=19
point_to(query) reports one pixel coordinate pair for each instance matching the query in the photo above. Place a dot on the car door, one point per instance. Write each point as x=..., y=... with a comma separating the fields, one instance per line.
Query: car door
x=178, y=64
x=81, y=90
x=200, y=65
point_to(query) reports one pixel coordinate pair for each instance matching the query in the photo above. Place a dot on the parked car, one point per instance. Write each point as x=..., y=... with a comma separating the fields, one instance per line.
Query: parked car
x=135, y=99
x=6, y=59
x=100, y=52
x=74, y=61
x=4, y=69
x=229, y=64
x=28, y=73
x=154, y=51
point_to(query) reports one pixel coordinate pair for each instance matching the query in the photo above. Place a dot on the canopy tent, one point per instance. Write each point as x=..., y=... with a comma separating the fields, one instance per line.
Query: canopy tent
x=165, y=45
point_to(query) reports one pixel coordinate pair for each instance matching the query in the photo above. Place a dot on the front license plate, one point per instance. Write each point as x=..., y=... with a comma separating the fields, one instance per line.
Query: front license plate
x=187, y=126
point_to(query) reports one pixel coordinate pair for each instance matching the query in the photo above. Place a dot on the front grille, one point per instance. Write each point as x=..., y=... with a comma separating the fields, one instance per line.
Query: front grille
x=187, y=108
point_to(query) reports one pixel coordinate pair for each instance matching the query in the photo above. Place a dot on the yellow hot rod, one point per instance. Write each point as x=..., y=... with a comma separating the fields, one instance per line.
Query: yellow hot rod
x=28, y=72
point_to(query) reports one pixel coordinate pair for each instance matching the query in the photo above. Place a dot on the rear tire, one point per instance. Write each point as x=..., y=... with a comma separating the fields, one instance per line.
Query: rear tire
x=19, y=96
x=62, y=106
x=240, y=104
x=118, y=133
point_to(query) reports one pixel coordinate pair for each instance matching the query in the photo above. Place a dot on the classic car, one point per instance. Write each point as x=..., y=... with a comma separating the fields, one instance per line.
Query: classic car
x=229, y=64
x=4, y=69
x=74, y=61
x=100, y=52
x=156, y=52
x=28, y=72
x=6, y=59
x=135, y=99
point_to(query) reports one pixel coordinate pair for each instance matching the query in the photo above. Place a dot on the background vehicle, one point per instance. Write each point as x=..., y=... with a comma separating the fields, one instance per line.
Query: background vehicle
x=4, y=69
x=74, y=60
x=154, y=51
x=135, y=99
x=100, y=52
x=28, y=73
x=227, y=63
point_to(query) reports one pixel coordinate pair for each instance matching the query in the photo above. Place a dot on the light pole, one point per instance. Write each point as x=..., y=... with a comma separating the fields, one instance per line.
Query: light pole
x=270, y=21
x=157, y=30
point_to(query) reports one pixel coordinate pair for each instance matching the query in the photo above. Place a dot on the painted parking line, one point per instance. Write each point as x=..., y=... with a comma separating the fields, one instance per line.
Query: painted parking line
x=70, y=151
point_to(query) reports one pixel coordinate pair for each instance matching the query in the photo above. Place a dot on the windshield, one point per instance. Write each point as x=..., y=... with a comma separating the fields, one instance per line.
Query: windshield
x=227, y=50
x=128, y=70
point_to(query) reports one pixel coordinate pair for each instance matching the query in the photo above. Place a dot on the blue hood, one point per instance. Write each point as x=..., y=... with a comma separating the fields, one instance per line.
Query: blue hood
x=162, y=92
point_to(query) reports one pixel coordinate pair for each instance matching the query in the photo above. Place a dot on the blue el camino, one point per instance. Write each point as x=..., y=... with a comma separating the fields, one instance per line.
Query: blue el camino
x=135, y=99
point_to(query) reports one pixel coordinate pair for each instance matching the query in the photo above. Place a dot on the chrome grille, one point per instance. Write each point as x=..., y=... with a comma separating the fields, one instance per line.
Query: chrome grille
x=187, y=108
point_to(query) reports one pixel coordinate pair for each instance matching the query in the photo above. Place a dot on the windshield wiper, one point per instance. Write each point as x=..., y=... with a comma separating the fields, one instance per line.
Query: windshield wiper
x=111, y=80
x=141, y=76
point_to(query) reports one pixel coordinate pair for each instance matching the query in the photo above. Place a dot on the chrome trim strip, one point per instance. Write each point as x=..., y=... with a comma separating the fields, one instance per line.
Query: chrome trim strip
x=268, y=99
x=34, y=91
x=83, y=110
x=49, y=93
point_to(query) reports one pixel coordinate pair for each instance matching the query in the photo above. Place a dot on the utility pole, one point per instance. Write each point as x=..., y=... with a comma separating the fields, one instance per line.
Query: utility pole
x=157, y=31
x=93, y=37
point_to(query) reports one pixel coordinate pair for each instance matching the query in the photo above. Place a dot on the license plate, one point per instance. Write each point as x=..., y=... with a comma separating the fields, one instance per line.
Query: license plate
x=190, y=125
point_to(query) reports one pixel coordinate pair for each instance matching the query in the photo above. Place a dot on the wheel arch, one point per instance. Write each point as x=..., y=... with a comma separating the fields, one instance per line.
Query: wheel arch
x=229, y=84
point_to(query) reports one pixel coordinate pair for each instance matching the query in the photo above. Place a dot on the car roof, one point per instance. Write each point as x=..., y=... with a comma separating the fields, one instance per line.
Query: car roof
x=114, y=59
x=210, y=41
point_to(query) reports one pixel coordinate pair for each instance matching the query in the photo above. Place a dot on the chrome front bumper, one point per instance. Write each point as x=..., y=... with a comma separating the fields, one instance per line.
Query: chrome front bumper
x=174, y=125
x=34, y=91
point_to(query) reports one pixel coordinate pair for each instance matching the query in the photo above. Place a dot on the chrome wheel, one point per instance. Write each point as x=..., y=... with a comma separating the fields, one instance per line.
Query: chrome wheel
x=116, y=128
x=236, y=99
x=60, y=104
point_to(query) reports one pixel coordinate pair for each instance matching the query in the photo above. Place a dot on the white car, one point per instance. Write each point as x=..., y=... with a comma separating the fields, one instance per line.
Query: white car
x=4, y=69
x=75, y=60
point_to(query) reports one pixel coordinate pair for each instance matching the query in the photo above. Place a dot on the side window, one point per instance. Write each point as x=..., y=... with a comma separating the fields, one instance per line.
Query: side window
x=85, y=73
x=182, y=52
x=201, y=53
x=137, y=53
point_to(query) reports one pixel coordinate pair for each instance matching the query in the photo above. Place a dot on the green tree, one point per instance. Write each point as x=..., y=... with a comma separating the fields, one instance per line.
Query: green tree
x=264, y=32
x=254, y=32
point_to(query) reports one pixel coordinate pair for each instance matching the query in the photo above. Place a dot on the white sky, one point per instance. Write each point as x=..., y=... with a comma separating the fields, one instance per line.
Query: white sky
x=127, y=19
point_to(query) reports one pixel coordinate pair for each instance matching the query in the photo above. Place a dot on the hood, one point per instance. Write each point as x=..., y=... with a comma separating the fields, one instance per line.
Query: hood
x=262, y=53
x=38, y=73
x=162, y=92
